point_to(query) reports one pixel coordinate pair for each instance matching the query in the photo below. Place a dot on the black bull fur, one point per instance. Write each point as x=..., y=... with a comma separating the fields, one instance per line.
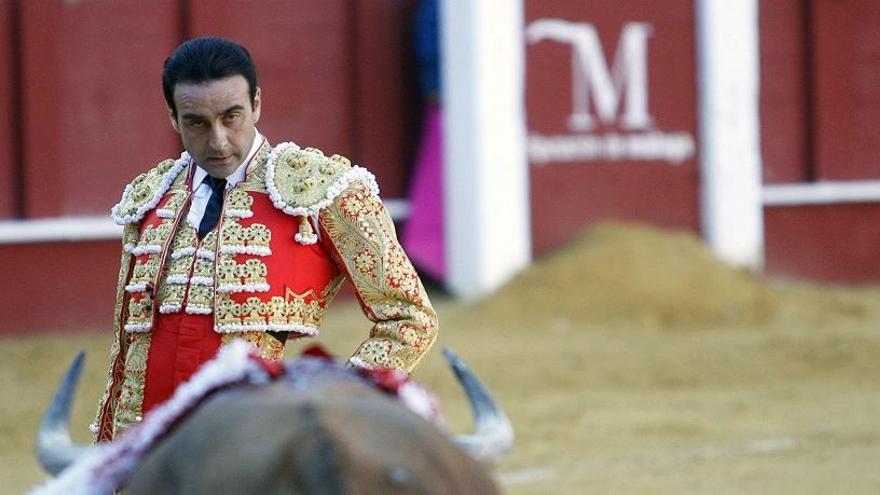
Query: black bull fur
x=336, y=436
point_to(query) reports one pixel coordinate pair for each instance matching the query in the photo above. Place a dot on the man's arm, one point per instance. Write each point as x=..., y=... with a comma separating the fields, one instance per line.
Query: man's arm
x=358, y=231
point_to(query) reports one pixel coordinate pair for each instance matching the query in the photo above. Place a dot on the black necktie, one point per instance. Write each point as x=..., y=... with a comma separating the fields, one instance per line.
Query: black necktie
x=215, y=204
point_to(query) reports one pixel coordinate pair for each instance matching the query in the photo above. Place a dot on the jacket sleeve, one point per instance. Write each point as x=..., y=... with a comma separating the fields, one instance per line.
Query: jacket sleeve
x=358, y=231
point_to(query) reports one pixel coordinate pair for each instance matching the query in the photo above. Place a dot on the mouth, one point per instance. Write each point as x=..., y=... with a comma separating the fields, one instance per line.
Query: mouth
x=218, y=159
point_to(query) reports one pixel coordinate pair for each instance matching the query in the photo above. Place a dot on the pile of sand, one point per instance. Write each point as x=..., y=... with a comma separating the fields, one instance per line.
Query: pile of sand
x=656, y=277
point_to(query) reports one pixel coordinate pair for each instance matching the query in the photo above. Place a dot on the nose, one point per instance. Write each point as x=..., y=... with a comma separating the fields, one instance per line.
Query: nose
x=218, y=138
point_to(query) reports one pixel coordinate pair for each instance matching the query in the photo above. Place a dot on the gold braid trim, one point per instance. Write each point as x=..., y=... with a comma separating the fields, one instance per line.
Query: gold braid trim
x=102, y=427
x=364, y=244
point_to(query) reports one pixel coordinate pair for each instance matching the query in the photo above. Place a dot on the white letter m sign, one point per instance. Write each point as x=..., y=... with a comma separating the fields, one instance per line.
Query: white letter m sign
x=627, y=80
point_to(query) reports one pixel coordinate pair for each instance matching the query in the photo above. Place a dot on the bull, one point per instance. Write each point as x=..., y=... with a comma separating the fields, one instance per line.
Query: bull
x=309, y=426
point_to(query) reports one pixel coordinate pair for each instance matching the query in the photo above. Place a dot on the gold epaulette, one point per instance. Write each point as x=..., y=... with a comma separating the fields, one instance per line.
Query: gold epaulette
x=301, y=182
x=146, y=190
x=301, y=178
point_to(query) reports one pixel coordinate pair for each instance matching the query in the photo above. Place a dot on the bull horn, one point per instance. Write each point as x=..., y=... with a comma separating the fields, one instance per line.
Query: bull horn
x=493, y=435
x=55, y=449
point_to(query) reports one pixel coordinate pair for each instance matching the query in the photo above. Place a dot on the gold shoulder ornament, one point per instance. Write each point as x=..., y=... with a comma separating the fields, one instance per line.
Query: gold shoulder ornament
x=147, y=189
x=301, y=182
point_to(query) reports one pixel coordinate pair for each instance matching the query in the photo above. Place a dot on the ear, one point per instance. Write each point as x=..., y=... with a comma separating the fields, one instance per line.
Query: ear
x=257, y=101
x=173, y=120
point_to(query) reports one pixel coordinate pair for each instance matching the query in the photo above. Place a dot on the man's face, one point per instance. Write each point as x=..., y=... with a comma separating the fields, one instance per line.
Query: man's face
x=216, y=122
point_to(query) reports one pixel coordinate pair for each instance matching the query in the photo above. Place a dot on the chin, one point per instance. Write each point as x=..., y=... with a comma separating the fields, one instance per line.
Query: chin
x=215, y=165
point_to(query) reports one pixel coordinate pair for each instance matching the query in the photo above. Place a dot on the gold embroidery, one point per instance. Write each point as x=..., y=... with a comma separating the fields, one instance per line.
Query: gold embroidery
x=163, y=230
x=143, y=190
x=144, y=271
x=204, y=268
x=131, y=392
x=239, y=200
x=209, y=242
x=175, y=201
x=302, y=177
x=365, y=262
x=227, y=311
x=178, y=268
x=201, y=296
x=185, y=238
x=148, y=237
x=307, y=313
x=227, y=272
x=255, y=179
x=363, y=235
x=249, y=276
x=251, y=240
x=171, y=295
x=252, y=311
x=114, y=352
x=294, y=312
x=233, y=234
x=258, y=235
x=276, y=311
x=253, y=271
x=140, y=309
x=267, y=347
x=130, y=235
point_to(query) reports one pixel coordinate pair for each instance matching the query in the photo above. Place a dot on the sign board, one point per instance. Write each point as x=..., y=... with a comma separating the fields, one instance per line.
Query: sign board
x=611, y=115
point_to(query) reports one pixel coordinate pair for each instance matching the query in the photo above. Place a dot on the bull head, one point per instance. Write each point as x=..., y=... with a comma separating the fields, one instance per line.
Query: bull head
x=491, y=440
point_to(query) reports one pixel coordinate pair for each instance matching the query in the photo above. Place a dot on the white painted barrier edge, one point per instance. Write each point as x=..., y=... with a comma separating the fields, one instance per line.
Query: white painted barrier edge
x=100, y=227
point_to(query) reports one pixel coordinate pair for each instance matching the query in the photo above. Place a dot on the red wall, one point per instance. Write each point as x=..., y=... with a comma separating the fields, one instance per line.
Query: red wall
x=567, y=196
x=8, y=111
x=59, y=286
x=786, y=94
x=820, y=110
x=847, y=88
x=93, y=112
x=834, y=243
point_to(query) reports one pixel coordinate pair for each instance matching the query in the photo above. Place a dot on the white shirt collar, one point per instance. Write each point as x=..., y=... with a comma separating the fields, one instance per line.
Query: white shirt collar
x=240, y=172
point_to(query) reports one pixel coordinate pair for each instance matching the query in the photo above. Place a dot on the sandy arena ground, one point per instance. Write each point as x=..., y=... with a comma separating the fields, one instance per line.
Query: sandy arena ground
x=631, y=362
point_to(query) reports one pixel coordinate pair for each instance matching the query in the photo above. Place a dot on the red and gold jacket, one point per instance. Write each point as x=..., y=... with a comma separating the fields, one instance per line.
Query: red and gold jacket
x=290, y=234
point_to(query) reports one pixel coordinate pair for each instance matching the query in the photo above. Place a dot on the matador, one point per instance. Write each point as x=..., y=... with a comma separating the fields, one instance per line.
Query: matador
x=240, y=239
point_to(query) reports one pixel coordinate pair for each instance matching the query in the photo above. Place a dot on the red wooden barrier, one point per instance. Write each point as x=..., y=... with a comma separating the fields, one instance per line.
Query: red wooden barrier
x=94, y=110
x=8, y=111
x=836, y=243
x=820, y=113
x=847, y=74
x=786, y=146
x=58, y=286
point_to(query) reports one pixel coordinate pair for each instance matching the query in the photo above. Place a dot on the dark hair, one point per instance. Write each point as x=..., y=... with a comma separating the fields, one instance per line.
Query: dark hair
x=205, y=59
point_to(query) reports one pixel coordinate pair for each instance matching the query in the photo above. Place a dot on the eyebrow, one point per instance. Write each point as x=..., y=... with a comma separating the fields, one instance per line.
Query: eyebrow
x=195, y=116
